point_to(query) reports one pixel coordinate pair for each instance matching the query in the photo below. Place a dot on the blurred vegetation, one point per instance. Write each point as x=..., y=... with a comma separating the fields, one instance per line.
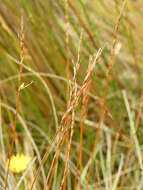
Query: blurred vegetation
x=112, y=133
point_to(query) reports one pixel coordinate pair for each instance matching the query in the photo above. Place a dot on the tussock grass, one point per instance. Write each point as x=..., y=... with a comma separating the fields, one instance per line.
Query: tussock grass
x=71, y=94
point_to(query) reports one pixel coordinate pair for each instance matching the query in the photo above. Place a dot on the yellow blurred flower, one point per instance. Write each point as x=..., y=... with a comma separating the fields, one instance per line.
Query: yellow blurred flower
x=18, y=163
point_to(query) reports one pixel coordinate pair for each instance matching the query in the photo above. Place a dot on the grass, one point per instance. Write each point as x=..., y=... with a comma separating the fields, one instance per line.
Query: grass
x=71, y=94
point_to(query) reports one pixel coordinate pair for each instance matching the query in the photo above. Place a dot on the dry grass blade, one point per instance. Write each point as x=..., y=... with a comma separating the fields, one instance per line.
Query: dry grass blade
x=133, y=131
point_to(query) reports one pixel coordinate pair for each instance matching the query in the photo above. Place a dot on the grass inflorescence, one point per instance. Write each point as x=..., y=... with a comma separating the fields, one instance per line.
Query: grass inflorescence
x=71, y=95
